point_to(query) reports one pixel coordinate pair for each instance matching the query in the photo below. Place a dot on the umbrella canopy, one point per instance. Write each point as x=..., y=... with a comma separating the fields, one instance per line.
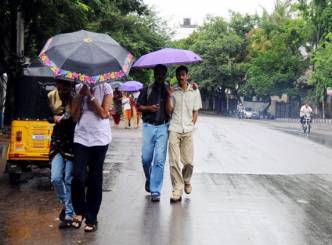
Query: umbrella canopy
x=86, y=56
x=167, y=57
x=131, y=86
x=115, y=84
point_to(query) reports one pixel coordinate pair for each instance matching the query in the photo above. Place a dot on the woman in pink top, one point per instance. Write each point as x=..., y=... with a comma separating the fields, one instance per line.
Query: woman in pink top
x=90, y=109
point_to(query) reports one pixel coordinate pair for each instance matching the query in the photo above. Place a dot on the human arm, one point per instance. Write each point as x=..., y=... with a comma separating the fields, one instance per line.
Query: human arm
x=142, y=103
x=197, y=105
x=102, y=110
x=169, y=101
x=75, y=109
x=195, y=116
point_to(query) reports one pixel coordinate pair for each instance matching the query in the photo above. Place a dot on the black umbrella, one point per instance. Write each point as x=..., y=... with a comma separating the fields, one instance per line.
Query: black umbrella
x=86, y=56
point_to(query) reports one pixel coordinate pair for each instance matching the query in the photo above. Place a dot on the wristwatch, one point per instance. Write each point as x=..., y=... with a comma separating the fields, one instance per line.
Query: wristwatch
x=92, y=98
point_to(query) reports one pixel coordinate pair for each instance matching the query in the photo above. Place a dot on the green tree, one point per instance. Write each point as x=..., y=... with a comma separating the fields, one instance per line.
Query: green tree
x=129, y=22
x=275, y=61
x=321, y=77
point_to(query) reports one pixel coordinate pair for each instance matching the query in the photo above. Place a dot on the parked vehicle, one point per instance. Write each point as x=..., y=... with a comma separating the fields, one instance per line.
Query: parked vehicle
x=249, y=113
x=29, y=144
x=30, y=131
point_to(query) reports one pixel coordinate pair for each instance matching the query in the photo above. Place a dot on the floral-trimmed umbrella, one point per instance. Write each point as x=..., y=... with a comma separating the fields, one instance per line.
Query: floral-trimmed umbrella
x=131, y=86
x=87, y=57
x=167, y=57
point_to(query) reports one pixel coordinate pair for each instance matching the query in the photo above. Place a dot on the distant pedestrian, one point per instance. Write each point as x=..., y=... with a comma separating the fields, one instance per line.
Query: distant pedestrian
x=186, y=102
x=126, y=107
x=136, y=114
x=90, y=108
x=117, y=106
x=61, y=148
x=154, y=103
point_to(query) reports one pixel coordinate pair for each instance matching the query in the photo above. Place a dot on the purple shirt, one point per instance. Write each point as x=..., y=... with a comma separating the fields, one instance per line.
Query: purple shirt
x=91, y=130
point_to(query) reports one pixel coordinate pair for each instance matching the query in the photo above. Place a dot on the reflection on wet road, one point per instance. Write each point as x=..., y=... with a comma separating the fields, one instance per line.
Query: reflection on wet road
x=253, y=184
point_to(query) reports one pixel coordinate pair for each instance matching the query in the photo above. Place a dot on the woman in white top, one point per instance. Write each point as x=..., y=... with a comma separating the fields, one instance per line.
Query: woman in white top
x=90, y=109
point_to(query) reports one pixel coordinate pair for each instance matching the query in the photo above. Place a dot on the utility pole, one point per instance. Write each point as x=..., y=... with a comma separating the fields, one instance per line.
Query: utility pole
x=19, y=40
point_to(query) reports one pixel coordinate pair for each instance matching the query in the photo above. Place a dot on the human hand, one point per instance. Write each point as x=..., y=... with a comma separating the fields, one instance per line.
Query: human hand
x=85, y=91
x=57, y=119
x=169, y=90
x=154, y=108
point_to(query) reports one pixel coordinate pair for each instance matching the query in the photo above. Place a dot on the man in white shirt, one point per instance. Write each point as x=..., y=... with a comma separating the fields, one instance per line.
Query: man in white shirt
x=305, y=111
x=184, y=107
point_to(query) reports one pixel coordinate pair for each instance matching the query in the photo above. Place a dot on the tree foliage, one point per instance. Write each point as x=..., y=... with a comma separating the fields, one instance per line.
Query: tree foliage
x=130, y=22
x=322, y=75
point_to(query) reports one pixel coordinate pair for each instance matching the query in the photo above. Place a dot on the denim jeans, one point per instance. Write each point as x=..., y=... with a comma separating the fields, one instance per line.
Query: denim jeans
x=61, y=178
x=154, y=150
x=87, y=185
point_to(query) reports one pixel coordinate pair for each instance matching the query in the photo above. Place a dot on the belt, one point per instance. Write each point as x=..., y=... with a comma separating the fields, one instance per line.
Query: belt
x=156, y=123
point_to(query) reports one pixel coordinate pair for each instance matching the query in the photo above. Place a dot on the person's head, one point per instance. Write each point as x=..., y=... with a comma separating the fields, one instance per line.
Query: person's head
x=306, y=104
x=64, y=88
x=116, y=89
x=182, y=74
x=160, y=72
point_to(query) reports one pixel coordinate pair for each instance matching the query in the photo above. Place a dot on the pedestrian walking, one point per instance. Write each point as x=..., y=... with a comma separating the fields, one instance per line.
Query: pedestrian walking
x=90, y=108
x=117, y=103
x=154, y=103
x=126, y=109
x=136, y=114
x=61, y=148
x=186, y=102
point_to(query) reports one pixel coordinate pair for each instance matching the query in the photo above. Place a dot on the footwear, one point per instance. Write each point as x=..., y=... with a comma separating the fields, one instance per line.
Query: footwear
x=77, y=221
x=62, y=214
x=175, y=199
x=66, y=223
x=90, y=228
x=147, y=186
x=187, y=188
x=155, y=198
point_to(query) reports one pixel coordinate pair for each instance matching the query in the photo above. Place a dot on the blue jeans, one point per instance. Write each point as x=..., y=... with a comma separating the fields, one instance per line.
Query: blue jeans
x=61, y=178
x=154, y=150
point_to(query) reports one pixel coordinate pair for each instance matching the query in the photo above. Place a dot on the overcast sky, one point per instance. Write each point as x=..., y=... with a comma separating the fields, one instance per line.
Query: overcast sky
x=175, y=10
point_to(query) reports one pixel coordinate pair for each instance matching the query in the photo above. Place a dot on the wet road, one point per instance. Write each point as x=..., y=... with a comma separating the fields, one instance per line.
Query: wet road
x=253, y=184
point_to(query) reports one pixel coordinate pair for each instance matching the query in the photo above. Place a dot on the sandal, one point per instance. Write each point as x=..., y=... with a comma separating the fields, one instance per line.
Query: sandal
x=77, y=221
x=90, y=228
x=64, y=224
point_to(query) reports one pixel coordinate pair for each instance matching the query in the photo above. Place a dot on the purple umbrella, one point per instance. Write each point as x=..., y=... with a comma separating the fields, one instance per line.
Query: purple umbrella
x=167, y=57
x=131, y=86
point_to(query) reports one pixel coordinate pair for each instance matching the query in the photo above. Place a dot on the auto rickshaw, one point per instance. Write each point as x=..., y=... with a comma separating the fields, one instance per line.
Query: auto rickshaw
x=30, y=130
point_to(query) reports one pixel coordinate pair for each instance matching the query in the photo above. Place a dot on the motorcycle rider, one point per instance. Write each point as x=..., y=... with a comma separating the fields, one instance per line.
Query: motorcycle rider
x=305, y=111
x=240, y=110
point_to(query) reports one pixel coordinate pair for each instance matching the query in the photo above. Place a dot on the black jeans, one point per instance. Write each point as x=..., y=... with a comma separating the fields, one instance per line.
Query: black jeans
x=87, y=202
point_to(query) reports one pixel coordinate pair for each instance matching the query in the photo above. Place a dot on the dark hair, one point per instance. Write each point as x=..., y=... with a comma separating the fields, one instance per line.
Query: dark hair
x=161, y=67
x=63, y=81
x=181, y=68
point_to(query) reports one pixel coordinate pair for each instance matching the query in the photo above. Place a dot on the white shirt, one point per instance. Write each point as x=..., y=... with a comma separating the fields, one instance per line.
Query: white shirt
x=91, y=130
x=126, y=103
x=185, y=102
x=305, y=111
